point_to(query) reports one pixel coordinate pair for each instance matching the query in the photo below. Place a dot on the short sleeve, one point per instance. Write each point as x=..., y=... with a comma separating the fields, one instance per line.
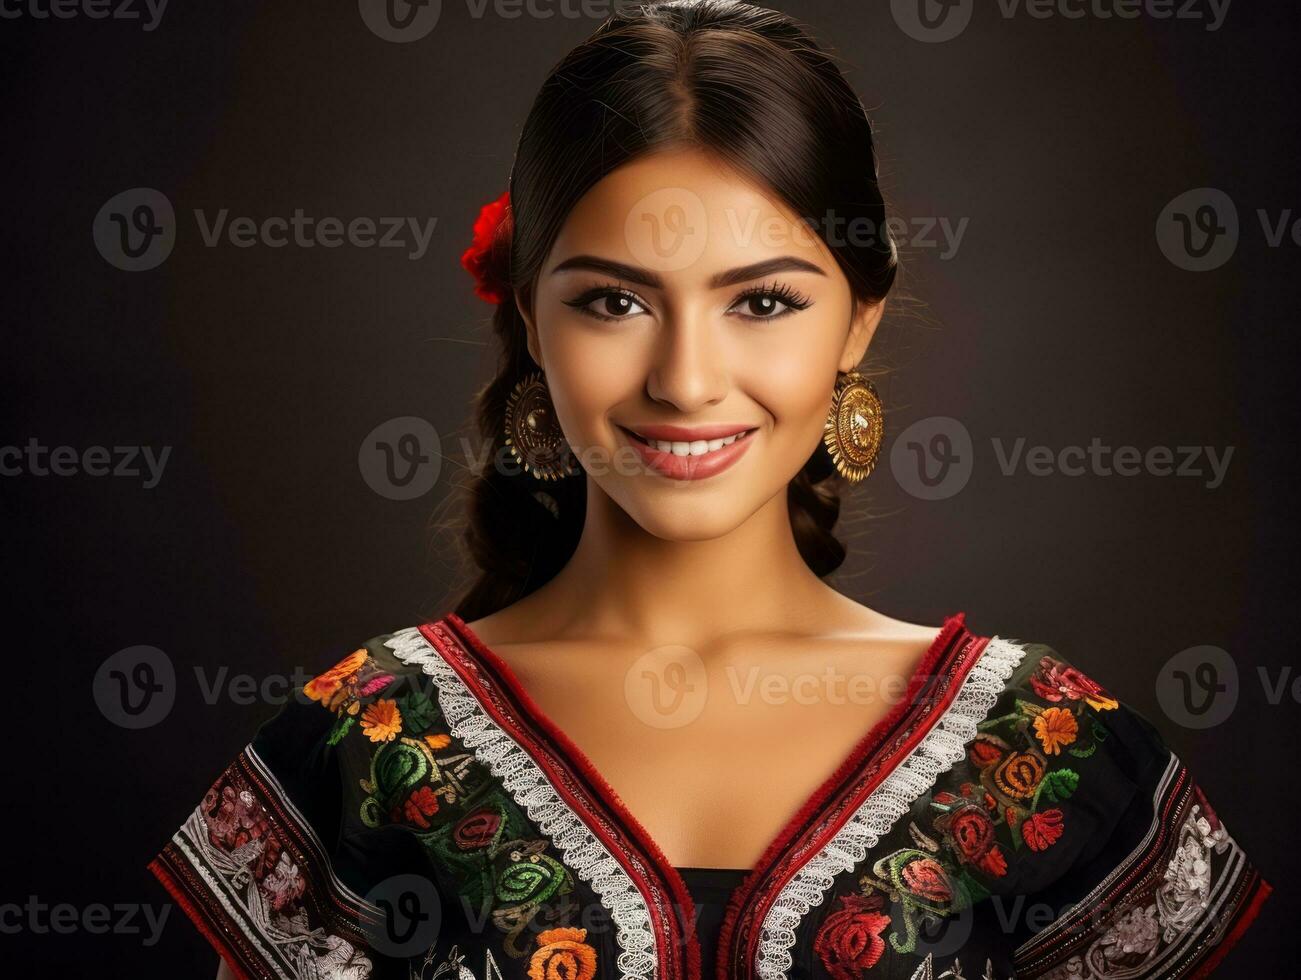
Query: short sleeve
x=1153, y=886
x=262, y=865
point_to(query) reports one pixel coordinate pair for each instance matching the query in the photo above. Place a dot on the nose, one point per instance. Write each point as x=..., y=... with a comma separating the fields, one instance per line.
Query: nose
x=689, y=369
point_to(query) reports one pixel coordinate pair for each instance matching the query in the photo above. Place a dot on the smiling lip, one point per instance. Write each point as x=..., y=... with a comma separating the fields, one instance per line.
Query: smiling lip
x=682, y=433
x=690, y=467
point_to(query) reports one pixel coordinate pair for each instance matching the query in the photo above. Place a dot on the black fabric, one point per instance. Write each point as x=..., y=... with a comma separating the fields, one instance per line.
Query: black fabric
x=710, y=889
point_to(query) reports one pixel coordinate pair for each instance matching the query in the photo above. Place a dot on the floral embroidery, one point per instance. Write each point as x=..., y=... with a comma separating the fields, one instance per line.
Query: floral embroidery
x=1003, y=806
x=242, y=850
x=423, y=781
x=1054, y=681
x=326, y=686
x=1056, y=728
x=1041, y=829
x=563, y=955
x=381, y=721
x=849, y=941
x=1143, y=931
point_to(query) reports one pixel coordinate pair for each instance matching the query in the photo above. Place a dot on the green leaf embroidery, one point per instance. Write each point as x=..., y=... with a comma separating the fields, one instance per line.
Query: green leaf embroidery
x=340, y=729
x=418, y=712
x=1058, y=785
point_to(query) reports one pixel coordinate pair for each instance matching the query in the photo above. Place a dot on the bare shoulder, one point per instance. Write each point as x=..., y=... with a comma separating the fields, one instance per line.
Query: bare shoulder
x=852, y=619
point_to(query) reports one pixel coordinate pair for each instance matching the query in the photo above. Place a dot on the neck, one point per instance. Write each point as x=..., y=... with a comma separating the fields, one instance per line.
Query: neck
x=623, y=579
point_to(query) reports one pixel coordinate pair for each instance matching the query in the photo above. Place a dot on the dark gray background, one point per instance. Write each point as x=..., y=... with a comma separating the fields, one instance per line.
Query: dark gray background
x=262, y=548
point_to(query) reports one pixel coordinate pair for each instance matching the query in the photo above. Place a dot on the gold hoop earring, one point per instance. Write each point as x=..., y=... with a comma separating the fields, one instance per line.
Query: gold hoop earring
x=533, y=433
x=855, y=426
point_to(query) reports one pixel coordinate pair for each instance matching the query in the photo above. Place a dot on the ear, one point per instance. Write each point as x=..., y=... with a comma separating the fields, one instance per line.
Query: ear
x=523, y=303
x=861, y=330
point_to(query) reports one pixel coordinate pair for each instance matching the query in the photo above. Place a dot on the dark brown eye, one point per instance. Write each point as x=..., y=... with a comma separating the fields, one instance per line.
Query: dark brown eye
x=768, y=303
x=616, y=304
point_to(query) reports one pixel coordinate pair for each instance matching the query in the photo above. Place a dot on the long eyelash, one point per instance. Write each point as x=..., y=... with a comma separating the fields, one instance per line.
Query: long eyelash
x=779, y=291
x=581, y=301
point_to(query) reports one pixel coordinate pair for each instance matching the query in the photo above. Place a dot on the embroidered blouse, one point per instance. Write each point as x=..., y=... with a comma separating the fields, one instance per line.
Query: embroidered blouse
x=412, y=814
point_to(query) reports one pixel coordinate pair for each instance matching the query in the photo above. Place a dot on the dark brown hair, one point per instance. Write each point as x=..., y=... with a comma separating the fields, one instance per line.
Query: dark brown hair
x=742, y=82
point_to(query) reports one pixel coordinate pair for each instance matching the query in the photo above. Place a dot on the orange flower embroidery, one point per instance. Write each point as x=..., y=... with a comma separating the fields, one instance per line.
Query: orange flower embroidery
x=381, y=721
x=328, y=687
x=1055, y=727
x=1019, y=775
x=437, y=742
x=562, y=955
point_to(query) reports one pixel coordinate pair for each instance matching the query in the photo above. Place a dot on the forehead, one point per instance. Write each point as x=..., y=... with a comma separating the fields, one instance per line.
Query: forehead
x=686, y=216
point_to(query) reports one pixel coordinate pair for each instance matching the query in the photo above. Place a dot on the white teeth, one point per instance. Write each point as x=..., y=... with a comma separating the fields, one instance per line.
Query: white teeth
x=697, y=448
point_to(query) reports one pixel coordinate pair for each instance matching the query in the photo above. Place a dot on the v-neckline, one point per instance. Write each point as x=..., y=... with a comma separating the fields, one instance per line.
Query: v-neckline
x=871, y=741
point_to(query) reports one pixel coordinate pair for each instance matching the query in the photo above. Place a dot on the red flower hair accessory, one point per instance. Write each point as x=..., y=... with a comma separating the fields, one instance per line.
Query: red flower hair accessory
x=488, y=255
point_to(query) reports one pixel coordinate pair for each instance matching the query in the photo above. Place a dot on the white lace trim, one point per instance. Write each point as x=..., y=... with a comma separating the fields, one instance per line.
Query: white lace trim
x=583, y=851
x=937, y=752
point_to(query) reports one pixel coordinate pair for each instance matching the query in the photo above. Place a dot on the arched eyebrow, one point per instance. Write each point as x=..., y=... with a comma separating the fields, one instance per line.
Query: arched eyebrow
x=645, y=277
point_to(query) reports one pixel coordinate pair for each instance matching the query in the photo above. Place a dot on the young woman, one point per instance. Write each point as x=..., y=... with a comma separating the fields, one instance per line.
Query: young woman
x=651, y=742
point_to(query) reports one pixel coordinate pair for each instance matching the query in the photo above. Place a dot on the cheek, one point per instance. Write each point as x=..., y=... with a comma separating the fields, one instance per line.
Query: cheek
x=589, y=374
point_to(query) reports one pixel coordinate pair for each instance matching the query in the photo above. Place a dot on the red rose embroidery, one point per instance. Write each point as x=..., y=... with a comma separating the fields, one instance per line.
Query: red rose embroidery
x=984, y=753
x=476, y=830
x=927, y=879
x=1041, y=830
x=849, y=941
x=1054, y=681
x=971, y=832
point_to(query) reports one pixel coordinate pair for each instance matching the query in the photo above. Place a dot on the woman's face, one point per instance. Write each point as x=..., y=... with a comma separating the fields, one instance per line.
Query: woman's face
x=682, y=304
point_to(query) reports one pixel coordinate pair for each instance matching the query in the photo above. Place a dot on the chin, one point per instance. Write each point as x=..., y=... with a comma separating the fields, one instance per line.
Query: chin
x=688, y=520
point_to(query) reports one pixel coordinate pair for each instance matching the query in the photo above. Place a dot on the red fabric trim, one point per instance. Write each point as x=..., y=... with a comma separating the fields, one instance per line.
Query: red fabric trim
x=861, y=792
x=1263, y=891
x=197, y=916
x=668, y=931
x=921, y=673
